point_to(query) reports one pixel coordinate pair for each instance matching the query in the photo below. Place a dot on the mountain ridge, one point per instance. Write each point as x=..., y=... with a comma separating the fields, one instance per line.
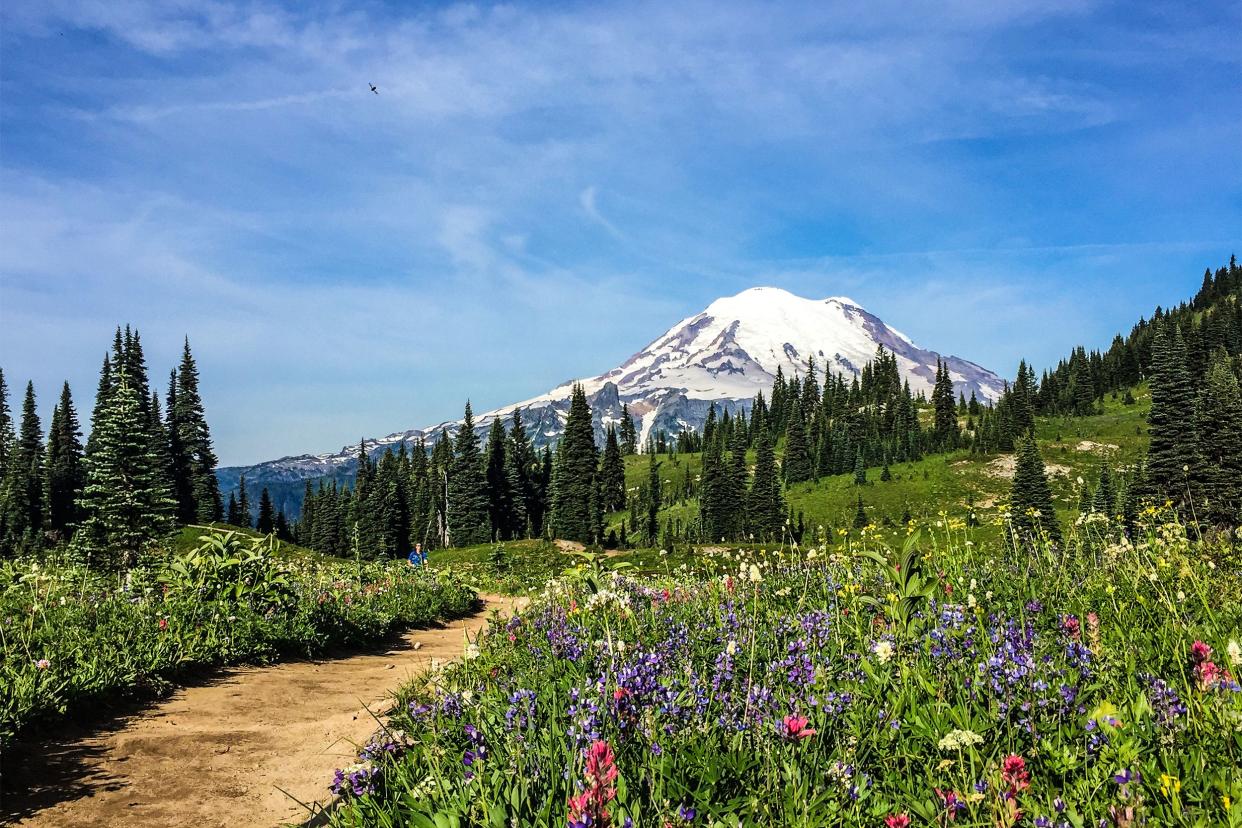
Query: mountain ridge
x=723, y=355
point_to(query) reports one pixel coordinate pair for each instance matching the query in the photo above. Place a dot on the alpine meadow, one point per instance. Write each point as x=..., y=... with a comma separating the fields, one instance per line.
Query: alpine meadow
x=962, y=548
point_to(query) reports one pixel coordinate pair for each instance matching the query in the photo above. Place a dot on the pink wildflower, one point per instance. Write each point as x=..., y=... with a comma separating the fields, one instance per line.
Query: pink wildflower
x=1014, y=774
x=43, y=664
x=1200, y=652
x=1071, y=627
x=591, y=806
x=796, y=728
x=897, y=821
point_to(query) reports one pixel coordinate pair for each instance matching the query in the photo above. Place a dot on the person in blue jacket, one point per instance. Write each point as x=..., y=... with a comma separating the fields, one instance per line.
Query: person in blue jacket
x=417, y=556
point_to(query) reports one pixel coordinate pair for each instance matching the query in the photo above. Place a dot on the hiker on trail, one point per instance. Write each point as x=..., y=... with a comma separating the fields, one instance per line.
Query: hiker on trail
x=417, y=556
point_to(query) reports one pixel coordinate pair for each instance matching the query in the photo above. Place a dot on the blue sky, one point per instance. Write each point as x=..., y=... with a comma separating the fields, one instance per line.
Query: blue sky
x=540, y=189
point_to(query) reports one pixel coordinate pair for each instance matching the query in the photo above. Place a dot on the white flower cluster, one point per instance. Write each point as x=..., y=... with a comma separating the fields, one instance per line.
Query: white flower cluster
x=884, y=651
x=605, y=597
x=960, y=739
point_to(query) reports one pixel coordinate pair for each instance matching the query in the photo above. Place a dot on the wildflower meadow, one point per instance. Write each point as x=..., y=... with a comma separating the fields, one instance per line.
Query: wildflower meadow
x=888, y=681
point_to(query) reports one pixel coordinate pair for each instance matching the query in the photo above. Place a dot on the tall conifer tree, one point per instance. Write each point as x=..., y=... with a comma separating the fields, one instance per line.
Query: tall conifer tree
x=22, y=499
x=1171, y=452
x=612, y=473
x=65, y=475
x=501, y=495
x=1030, y=498
x=765, y=505
x=195, y=436
x=576, y=470
x=467, y=506
x=125, y=502
x=1219, y=431
x=267, y=514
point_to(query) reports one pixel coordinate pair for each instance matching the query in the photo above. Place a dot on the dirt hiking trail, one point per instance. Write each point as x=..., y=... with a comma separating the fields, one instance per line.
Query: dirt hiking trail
x=218, y=753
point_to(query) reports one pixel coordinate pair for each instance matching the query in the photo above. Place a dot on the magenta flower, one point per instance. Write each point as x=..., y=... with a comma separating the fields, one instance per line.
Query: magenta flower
x=796, y=728
x=591, y=806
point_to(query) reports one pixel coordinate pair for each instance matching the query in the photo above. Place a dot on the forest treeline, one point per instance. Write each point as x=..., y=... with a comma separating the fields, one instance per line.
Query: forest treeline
x=148, y=464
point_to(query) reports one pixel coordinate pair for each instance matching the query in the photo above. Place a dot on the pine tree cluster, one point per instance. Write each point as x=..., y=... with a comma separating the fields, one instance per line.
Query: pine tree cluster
x=141, y=471
x=457, y=494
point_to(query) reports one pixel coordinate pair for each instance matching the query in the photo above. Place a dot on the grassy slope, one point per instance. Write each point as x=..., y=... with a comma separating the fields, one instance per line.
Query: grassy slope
x=1072, y=448
x=187, y=538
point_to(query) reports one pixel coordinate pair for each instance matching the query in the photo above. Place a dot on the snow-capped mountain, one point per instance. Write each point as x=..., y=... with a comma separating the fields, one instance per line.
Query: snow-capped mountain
x=725, y=355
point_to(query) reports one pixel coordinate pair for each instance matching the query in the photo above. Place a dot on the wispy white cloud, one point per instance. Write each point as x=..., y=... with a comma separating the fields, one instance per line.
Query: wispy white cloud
x=222, y=169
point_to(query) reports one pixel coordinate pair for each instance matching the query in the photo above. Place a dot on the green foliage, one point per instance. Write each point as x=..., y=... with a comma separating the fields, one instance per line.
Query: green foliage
x=231, y=568
x=911, y=588
x=78, y=639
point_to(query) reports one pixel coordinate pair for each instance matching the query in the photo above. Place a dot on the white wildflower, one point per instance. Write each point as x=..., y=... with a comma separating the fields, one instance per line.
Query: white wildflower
x=883, y=651
x=472, y=651
x=960, y=739
x=1235, y=652
x=731, y=647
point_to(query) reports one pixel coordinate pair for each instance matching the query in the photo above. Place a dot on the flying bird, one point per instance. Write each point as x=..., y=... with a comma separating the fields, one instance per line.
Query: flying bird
x=373, y=89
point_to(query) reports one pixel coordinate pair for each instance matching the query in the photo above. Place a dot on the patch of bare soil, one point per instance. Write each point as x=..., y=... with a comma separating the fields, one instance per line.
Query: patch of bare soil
x=224, y=752
x=1004, y=467
x=1096, y=448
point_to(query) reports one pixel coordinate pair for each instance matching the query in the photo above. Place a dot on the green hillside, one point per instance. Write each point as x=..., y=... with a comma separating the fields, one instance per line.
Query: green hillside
x=940, y=486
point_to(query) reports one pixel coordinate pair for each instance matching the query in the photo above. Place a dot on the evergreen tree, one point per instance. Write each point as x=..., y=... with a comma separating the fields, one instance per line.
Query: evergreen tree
x=524, y=472
x=797, y=465
x=22, y=498
x=712, y=493
x=7, y=435
x=195, y=438
x=244, y=516
x=1081, y=389
x=280, y=527
x=733, y=500
x=629, y=437
x=501, y=496
x=765, y=505
x=652, y=497
x=125, y=501
x=468, y=518
x=64, y=474
x=1171, y=452
x=1022, y=400
x=1030, y=499
x=860, y=470
x=180, y=479
x=612, y=473
x=946, y=432
x=860, y=515
x=1218, y=420
x=575, y=473
x=233, y=513
x=1105, y=499
x=267, y=514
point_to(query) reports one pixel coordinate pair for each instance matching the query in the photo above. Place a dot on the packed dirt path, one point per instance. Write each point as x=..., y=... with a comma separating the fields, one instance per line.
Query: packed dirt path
x=219, y=753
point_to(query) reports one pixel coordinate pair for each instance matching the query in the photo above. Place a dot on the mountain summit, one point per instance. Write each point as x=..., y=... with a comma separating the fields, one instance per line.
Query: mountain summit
x=724, y=355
